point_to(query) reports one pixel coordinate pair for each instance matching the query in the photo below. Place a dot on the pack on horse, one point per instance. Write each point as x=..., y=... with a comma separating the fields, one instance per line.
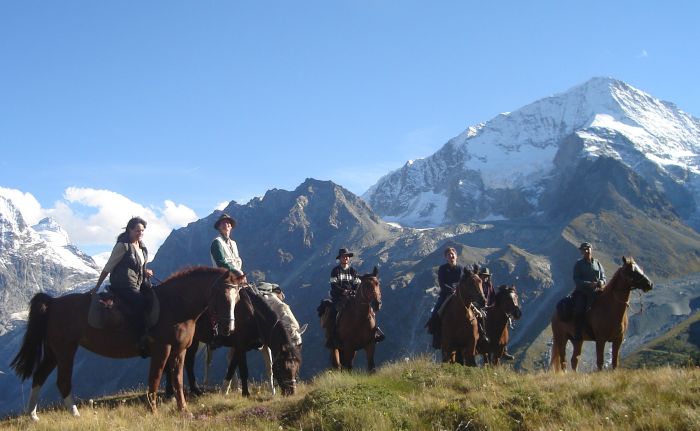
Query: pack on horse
x=58, y=326
x=286, y=358
x=506, y=306
x=606, y=319
x=356, y=326
x=458, y=321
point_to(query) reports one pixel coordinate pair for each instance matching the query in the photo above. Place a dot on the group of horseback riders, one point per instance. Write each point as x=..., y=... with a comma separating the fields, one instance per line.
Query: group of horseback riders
x=449, y=275
x=130, y=281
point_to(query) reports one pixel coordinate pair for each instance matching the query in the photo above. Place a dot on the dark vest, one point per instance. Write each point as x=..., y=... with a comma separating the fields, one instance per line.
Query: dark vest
x=128, y=274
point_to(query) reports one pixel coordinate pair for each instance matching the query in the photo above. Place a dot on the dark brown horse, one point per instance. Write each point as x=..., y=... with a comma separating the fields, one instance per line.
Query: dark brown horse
x=505, y=307
x=58, y=326
x=260, y=324
x=607, y=318
x=460, y=331
x=357, y=325
x=255, y=322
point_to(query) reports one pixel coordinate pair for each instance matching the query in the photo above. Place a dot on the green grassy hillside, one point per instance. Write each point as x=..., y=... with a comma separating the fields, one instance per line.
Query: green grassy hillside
x=421, y=395
x=678, y=347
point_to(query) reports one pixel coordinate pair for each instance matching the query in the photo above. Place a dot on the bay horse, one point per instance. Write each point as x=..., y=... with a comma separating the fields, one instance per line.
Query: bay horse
x=357, y=323
x=460, y=331
x=58, y=326
x=286, y=357
x=505, y=307
x=607, y=318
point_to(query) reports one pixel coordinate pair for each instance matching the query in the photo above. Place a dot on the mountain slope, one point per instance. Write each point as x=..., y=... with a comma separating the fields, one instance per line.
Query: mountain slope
x=499, y=169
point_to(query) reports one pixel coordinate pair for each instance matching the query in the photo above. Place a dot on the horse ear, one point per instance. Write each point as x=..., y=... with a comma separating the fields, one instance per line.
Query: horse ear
x=466, y=271
x=303, y=328
x=375, y=272
x=624, y=260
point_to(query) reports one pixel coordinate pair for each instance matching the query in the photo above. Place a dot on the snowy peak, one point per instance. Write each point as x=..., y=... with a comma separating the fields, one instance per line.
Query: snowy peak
x=500, y=168
x=52, y=232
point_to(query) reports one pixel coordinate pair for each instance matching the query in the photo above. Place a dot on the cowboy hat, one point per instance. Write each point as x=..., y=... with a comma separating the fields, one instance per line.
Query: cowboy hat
x=344, y=252
x=584, y=245
x=484, y=271
x=225, y=217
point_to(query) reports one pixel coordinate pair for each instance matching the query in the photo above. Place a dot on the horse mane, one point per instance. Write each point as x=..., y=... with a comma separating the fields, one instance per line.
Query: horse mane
x=194, y=270
x=613, y=281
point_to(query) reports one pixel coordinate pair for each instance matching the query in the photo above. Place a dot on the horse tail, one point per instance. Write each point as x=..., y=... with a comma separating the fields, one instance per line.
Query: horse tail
x=32, y=350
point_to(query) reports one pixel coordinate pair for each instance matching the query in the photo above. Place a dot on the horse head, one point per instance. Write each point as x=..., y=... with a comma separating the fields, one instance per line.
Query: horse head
x=507, y=299
x=635, y=276
x=285, y=368
x=469, y=283
x=225, y=294
x=369, y=290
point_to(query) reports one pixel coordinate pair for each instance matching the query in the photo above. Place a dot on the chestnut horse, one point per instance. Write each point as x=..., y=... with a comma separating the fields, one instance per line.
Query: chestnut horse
x=460, y=330
x=607, y=318
x=356, y=323
x=505, y=307
x=58, y=326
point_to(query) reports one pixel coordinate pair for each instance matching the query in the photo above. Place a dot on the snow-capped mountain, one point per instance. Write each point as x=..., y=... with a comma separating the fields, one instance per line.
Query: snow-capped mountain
x=499, y=169
x=33, y=259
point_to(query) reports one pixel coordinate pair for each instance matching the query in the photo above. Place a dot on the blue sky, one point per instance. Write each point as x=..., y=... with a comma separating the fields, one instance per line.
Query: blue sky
x=169, y=108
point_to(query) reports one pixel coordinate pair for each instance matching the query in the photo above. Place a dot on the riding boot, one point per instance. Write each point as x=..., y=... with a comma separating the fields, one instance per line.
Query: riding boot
x=482, y=333
x=378, y=335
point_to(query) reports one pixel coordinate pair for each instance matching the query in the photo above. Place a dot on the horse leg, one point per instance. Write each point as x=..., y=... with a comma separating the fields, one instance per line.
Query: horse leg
x=347, y=357
x=64, y=376
x=159, y=358
x=369, y=351
x=230, y=371
x=615, y=353
x=208, y=356
x=190, y=356
x=178, y=362
x=335, y=359
x=600, y=354
x=578, y=345
x=267, y=359
x=243, y=371
x=47, y=364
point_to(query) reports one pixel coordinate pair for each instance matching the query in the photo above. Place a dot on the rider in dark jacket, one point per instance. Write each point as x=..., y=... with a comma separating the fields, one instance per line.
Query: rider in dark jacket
x=129, y=277
x=589, y=277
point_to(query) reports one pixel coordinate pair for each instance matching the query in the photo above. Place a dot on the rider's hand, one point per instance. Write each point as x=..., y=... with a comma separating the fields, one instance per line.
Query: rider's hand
x=149, y=273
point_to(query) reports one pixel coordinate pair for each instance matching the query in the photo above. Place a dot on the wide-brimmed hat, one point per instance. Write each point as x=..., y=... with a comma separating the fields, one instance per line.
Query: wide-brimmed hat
x=585, y=245
x=225, y=217
x=484, y=271
x=344, y=252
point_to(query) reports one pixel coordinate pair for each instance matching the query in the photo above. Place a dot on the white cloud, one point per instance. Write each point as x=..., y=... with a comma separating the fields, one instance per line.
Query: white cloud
x=222, y=205
x=26, y=203
x=643, y=54
x=106, y=216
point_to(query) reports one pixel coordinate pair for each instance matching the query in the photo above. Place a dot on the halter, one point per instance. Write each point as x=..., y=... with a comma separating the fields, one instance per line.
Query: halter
x=630, y=281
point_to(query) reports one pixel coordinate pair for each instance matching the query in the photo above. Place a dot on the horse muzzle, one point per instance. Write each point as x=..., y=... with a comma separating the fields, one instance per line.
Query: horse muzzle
x=517, y=313
x=376, y=305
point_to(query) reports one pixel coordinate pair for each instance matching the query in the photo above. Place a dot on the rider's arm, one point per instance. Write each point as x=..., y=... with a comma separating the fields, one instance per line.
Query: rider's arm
x=118, y=251
x=218, y=256
x=579, y=277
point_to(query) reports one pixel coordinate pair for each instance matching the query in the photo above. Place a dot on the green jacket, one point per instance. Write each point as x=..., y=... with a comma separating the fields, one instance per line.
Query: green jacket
x=224, y=254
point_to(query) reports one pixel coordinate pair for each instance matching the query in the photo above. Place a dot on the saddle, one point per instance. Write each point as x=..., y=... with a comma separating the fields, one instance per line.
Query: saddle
x=107, y=311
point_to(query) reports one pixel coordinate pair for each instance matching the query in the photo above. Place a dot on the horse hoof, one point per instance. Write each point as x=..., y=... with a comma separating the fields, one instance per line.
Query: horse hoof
x=34, y=417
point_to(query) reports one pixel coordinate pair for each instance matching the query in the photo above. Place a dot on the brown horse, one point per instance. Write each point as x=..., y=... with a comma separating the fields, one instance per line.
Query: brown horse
x=460, y=331
x=58, y=326
x=505, y=307
x=356, y=323
x=607, y=318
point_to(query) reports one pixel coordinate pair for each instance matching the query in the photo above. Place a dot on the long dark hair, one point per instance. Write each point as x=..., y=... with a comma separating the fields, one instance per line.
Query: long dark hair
x=124, y=236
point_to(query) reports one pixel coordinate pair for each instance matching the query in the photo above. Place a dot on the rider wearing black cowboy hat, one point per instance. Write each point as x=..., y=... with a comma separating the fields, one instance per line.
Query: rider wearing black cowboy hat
x=344, y=282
